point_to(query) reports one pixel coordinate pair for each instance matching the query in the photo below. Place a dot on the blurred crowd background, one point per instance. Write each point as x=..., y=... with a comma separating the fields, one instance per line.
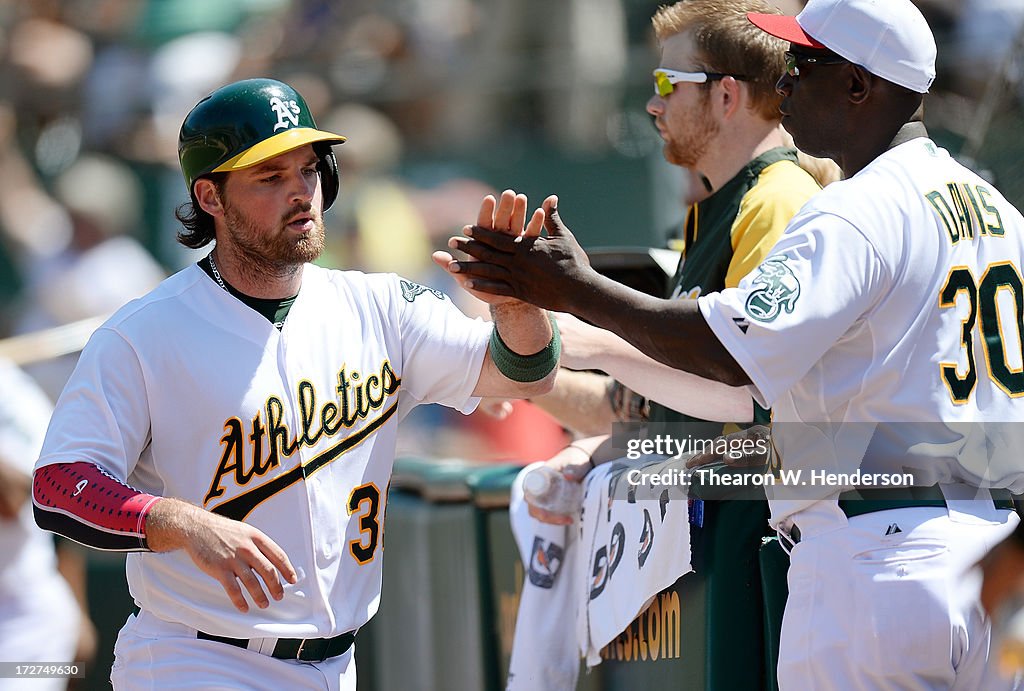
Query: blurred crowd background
x=442, y=101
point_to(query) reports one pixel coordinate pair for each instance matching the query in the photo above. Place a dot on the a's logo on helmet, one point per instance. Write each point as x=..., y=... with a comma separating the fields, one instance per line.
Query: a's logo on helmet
x=287, y=113
x=779, y=290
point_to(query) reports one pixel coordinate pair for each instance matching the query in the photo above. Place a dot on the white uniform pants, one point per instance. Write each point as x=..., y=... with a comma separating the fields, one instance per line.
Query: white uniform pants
x=153, y=654
x=888, y=600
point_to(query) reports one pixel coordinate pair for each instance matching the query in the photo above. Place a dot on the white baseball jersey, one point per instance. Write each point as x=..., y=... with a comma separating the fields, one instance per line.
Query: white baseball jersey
x=188, y=393
x=39, y=615
x=893, y=297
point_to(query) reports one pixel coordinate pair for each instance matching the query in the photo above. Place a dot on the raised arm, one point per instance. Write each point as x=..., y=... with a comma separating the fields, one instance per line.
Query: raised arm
x=553, y=272
x=581, y=401
x=523, y=354
x=586, y=347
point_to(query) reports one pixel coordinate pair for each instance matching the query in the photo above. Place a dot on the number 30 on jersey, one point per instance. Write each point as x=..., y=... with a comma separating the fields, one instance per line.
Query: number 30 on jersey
x=998, y=299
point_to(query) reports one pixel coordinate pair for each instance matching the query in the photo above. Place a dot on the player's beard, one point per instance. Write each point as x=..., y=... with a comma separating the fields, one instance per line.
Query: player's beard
x=689, y=147
x=278, y=252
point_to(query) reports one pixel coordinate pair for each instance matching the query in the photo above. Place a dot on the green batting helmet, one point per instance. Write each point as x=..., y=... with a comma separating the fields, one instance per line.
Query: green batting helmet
x=248, y=122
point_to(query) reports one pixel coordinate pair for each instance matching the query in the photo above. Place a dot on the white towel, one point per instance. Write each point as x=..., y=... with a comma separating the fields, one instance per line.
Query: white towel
x=637, y=537
x=586, y=583
x=545, y=654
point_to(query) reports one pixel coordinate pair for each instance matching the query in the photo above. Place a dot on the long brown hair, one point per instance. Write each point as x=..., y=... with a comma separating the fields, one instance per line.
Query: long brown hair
x=198, y=226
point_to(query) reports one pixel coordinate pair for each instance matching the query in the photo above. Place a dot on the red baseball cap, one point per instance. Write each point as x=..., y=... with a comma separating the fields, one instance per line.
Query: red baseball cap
x=784, y=27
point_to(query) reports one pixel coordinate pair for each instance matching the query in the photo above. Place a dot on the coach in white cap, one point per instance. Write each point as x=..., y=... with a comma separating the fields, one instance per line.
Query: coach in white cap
x=888, y=39
x=884, y=330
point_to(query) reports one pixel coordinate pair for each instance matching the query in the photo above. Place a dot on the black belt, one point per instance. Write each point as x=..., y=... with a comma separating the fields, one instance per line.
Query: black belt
x=305, y=649
x=858, y=502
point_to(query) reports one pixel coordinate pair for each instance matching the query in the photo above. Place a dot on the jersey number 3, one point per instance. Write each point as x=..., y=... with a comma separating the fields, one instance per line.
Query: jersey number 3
x=365, y=499
x=995, y=325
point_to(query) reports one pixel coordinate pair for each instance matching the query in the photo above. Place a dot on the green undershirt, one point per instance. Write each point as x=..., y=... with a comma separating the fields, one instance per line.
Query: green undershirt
x=274, y=311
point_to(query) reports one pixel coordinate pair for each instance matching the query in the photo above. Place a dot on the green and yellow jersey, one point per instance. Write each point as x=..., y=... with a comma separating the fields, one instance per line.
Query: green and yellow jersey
x=731, y=232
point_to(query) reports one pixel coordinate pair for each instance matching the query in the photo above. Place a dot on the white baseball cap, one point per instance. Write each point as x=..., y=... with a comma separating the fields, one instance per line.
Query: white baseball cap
x=889, y=38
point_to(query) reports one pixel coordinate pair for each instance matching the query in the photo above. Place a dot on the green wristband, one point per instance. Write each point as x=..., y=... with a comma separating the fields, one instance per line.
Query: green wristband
x=526, y=368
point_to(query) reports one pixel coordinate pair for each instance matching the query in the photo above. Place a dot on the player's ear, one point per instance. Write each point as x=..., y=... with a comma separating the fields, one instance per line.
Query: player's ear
x=860, y=83
x=208, y=197
x=730, y=96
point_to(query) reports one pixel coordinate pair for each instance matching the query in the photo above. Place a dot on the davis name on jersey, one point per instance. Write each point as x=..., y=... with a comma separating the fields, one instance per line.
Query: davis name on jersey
x=885, y=328
x=966, y=211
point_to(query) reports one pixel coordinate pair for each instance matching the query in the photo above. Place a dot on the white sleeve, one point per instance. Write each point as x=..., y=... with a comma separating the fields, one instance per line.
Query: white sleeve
x=102, y=416
x=442, y=349
x=821, y=278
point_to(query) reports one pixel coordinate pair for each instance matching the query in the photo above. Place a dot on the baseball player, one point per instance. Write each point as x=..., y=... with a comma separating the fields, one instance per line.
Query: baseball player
x=39, y=615
x=717, y=111
x=235, y=428
x=884, y=330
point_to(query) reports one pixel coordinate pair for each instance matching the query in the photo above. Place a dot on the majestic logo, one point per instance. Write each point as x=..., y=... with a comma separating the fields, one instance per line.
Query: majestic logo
x=82, y=484
x=411, y=291
x=545, y=562
x=779, y=290
x=287, y=113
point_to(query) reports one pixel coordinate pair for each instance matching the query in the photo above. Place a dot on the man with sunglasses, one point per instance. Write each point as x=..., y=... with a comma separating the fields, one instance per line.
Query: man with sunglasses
x=884, y=330
x=717, y=112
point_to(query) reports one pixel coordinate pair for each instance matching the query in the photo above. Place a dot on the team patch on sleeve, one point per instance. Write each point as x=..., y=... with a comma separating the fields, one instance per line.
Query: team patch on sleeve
x=778, y=289
x=411, y=291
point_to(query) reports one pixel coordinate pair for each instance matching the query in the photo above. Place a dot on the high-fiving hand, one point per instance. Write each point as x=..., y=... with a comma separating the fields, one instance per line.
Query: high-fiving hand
x=544, y=271
x=505, y=217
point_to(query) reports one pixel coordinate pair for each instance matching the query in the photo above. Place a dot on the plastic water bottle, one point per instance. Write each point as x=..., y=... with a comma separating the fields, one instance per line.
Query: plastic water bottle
x=548, y=489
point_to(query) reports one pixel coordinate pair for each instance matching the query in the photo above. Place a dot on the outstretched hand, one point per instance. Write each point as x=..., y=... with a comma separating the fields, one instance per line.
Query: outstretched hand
x=505, y=216
x=548, y=272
